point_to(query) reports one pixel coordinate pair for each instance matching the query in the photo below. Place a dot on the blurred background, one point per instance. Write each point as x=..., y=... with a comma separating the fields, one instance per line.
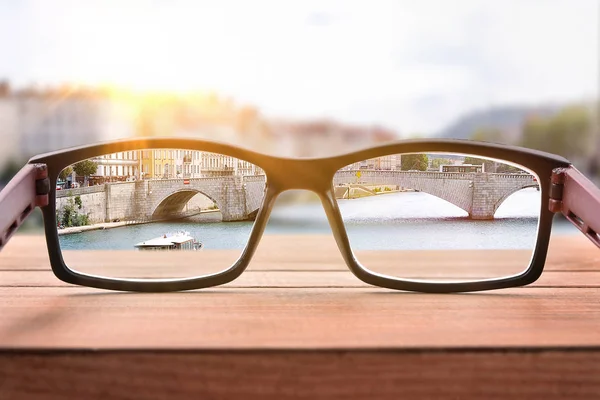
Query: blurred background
x=304, y=78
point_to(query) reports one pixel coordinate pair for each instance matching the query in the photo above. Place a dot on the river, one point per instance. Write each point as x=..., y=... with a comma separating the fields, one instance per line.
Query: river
x=408, y=220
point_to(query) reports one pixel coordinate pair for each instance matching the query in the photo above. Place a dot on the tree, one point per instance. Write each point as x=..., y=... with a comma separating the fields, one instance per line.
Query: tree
x=535, y=133
x=508, y=169
x=490, y=166
x=85, y=168
x=568, y=133
x=488, y=135
x=414, y=161
x=9, y=171
x=65, y=173
x=68, y=215
x=436, y=162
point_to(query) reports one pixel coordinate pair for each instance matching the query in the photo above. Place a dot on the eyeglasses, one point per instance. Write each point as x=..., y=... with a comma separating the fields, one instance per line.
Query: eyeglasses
x=155, y=215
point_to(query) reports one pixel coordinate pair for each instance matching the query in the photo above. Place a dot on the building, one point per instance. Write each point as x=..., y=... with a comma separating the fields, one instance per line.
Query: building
x=174, y=164
x=202, y=116
x=324, y=138
x=54, y=120
x=120, y=166
x=43, y=120
x=162, y=164
x=462, y=168
x=386, y=163
x=51, y=119
x=213, y=164
x=187, y=164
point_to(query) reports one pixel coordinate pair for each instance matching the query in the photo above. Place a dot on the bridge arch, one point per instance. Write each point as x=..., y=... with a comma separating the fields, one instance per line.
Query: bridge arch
x=509, y=193
x=173, y=203
x=237, y=197
x=479, y=194
x=458, y=190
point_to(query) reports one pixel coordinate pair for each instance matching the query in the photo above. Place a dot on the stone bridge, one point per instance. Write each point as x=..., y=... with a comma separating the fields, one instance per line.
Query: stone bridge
x=237, y=197
x=478, y=193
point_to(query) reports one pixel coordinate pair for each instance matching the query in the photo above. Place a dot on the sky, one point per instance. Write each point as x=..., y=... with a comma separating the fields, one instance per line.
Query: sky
x=413, y=66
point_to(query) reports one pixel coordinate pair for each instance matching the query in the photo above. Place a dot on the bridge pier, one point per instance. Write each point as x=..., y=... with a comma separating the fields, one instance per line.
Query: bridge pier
x=233, y=200
x=490, y=191
x=140, y=199
x=483, y=203
x=482, y=213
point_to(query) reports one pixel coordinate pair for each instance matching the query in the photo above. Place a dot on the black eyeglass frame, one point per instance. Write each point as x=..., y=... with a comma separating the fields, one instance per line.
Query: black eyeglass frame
x=313, y=174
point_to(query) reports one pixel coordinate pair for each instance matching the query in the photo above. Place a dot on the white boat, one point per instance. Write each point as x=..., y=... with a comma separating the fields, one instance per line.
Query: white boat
x=175, y=241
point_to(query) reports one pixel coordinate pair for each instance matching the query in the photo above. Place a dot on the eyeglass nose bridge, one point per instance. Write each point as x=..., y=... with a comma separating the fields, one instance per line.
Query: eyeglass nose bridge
x=318, y=180
x=303, y=174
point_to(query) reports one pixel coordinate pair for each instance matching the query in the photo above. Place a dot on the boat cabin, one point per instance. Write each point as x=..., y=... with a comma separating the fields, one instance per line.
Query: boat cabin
x=174, y=242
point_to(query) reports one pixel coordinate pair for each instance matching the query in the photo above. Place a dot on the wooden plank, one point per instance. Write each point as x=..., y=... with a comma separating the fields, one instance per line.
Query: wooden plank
x=226, y=318
x=517, y=374
x=566, y=253
x=308, y=278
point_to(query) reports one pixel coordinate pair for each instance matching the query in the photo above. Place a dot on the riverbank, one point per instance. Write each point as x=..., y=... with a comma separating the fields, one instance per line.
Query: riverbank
x=112, y=225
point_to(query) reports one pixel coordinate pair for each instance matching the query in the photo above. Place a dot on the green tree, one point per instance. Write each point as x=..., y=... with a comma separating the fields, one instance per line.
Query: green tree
x=568, y=133
x=436, y=162
x=9, y=171
x=68, y=215
x=535, y=133
x=65, y=173
x=414, y=161
x=488, y=135
x=505, y=168
x=85, y=168
x=490, y=166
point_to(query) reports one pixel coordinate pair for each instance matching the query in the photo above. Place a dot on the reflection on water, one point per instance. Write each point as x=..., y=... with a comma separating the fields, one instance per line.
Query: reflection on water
x=410, y=220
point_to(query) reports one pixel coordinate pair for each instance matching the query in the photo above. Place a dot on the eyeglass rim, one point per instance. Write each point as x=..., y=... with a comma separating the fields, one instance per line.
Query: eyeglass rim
x=541, y=163
x=77, y=153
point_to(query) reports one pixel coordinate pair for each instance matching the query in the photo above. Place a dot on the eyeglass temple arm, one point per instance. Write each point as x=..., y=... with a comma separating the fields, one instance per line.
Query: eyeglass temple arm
x=578, y=199
x=28, y=189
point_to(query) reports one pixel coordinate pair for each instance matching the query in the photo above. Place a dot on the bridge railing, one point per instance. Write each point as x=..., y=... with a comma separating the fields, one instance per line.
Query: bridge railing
x=254, y=178
x=512, y=176
x=180, y=180
x=365, y=174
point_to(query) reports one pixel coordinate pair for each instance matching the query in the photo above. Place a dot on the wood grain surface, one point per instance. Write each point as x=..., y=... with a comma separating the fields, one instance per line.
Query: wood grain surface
x=299, y=324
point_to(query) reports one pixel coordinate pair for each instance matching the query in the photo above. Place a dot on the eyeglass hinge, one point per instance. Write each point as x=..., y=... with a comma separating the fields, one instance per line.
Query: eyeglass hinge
x=557, y=182
x=42, y=185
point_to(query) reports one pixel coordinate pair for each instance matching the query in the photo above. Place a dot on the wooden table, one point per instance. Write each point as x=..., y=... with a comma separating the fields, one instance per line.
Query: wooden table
x=297, y=323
